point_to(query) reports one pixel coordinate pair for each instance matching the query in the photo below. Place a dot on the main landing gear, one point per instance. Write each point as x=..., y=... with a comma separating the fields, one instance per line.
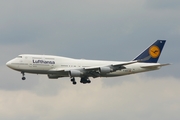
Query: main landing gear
x=23, y=78
x=73, y=81
x=83, y=80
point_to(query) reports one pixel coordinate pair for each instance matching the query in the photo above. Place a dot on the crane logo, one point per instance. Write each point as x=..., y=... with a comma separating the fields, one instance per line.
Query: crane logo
x=154, y=51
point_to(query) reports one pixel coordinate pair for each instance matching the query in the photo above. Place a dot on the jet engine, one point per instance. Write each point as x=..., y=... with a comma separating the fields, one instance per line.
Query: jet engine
x=104, y=70
x=75, y=73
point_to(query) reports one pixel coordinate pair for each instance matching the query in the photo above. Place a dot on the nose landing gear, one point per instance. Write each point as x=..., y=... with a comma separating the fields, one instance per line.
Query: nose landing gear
x=23, y=78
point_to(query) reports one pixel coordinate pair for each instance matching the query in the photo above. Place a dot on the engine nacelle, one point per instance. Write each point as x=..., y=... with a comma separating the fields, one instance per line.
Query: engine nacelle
x=104, y=70
x=75, y=73
x=53, y=76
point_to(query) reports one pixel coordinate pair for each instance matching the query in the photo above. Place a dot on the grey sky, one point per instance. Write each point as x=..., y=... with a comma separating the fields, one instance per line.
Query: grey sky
x=101, y=29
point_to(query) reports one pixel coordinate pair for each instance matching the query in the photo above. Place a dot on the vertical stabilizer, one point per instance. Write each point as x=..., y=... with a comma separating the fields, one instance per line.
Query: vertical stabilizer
x=152, y=53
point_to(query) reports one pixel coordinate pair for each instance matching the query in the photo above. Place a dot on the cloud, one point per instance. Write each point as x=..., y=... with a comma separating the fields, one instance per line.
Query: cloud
x=132, y=99
x=73, y=28
x=163, y=4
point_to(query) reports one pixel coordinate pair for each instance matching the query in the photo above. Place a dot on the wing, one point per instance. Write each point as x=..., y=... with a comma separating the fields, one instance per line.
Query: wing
x=117, y=66
x=96, y=71
x=93, y=71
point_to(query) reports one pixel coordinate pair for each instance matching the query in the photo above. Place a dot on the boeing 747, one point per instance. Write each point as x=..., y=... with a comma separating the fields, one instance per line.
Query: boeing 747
x=56, y=66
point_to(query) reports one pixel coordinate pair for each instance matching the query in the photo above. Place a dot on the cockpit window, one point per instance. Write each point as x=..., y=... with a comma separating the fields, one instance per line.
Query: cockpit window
x=19, y=57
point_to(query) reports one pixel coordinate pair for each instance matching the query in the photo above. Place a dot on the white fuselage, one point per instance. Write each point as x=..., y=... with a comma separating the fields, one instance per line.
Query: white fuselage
x=46, y=64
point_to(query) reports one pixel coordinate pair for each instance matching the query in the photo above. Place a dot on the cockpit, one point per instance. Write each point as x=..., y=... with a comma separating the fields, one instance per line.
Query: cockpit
x=19, y=56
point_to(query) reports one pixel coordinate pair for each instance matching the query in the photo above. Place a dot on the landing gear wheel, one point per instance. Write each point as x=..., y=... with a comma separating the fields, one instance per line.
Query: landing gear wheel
x=23, y=78
x=74, y=83
x=72, y=79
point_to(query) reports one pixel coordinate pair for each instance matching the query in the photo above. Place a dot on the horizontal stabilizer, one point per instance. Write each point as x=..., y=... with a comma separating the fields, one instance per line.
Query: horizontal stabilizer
x=155, y=66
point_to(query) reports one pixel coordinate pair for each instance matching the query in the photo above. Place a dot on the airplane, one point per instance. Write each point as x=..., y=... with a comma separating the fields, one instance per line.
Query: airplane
x=57, y=66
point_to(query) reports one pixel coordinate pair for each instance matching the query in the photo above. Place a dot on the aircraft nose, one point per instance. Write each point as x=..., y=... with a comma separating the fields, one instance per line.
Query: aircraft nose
x=8, y=64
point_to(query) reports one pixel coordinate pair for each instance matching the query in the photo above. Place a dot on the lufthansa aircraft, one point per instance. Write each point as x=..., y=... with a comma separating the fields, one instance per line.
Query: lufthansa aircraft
x=56, y=66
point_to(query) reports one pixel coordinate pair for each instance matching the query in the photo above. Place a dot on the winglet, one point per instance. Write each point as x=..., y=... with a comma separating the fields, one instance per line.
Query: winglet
x=152, y=53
